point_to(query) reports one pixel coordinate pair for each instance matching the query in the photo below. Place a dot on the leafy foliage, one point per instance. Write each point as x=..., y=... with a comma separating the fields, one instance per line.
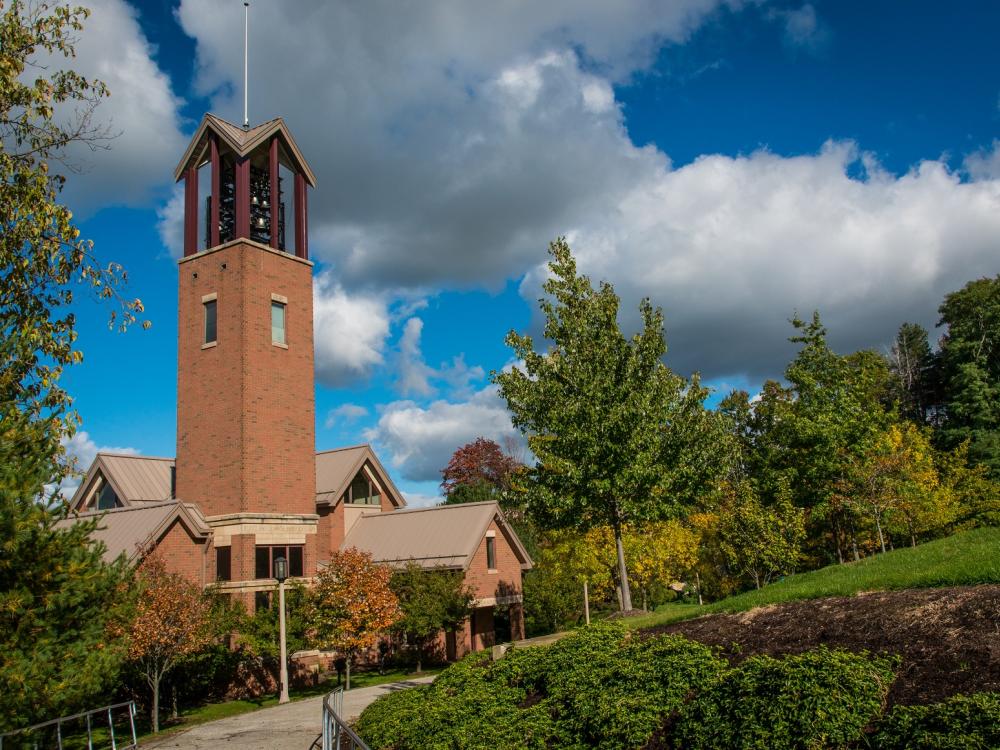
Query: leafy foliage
x=259, y=633
x=819, y=699
x=173, y=619
x=350, y=605
x=481, y=464
x=618, y=438
x=961, y=723
x=429, y=601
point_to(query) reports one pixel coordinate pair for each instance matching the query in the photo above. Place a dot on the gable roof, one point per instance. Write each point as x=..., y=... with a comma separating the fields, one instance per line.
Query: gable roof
x=335, y=469
x=243, y=142
x=442, y=535
x=133, y=478
x=131, y=530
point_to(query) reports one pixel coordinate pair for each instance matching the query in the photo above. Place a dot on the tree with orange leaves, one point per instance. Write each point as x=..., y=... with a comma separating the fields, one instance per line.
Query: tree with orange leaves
x=351, y=605
x=173, y=619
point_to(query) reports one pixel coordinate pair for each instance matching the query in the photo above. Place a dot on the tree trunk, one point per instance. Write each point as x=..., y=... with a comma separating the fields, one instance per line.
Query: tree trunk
x=878, y=526
x=155, y=711
x=173, y=701
x=645, y=601
x=756, y=580
x=836, y=537
x=420, y=658
x=697, y=582
x=347, y=673
x=854, y=544
x=586, y=602
x=622, y=571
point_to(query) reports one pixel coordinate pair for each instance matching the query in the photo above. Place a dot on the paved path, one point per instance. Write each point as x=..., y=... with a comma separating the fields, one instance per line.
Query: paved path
x=293, y=726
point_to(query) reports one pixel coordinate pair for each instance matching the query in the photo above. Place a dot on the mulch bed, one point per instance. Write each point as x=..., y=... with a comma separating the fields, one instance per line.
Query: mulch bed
x=948, y=638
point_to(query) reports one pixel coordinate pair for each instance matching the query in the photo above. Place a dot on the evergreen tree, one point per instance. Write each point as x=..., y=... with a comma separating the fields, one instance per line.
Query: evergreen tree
x=970, y=362
x=912, y=364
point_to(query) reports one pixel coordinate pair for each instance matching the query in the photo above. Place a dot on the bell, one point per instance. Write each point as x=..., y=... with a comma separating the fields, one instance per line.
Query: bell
x=260, y=222
x=255, y=201
x=264, y=204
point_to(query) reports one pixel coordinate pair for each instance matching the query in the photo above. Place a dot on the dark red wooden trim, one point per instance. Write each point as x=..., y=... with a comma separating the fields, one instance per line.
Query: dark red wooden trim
x=216, y=191
x=190, y=211
x=301, y=216
x=273, y=164
x=242, y=198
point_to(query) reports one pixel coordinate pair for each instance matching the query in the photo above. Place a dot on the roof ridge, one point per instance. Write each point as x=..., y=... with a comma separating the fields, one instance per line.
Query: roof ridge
x=450, y=506
x=135, y=455
x=347, y=448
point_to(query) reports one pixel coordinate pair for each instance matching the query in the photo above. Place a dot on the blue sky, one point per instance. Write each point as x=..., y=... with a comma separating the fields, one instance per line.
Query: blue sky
x=734, y=161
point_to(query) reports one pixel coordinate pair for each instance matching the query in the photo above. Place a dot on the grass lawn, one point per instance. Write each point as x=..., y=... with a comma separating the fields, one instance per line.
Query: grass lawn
x=970, y=557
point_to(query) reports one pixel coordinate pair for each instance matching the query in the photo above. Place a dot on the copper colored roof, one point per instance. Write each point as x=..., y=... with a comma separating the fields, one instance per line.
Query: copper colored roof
x=336, y=469
x=130, y=531
x=444, y=535
x=133, y=478
x=242, y=142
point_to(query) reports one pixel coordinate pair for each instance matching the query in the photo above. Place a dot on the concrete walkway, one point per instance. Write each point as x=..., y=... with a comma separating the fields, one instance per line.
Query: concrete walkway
x=294, y=726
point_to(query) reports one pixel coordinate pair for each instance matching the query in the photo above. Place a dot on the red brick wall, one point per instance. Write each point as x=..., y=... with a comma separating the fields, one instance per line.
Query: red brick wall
x=184, y=554
x=245, y=408
x=506, y=579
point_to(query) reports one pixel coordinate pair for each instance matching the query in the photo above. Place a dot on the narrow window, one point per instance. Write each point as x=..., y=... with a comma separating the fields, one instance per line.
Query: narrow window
x=360, y=489
x=278, y=323
x=107, y=499
x=210, y=321
x=491, y=553
x=223, y=564
x=262, y=563
x=295, y=561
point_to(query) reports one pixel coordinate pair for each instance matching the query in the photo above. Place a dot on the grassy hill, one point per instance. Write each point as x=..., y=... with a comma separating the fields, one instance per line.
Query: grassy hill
x=971, y=557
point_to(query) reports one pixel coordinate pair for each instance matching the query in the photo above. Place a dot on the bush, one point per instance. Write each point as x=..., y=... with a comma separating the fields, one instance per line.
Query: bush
x=393, y=716
x=965, y=722
x=819, y=699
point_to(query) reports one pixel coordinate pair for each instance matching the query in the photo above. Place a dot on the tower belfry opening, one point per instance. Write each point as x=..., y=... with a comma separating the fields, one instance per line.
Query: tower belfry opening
x=255, y=184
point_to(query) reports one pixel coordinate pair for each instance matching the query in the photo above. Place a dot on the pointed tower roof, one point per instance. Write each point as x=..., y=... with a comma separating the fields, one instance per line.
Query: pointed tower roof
x=242, y=142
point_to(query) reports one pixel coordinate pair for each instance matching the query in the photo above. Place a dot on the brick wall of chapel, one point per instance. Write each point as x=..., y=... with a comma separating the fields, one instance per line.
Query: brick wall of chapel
x=508, y=571
x=245, y=407
x=184, y=554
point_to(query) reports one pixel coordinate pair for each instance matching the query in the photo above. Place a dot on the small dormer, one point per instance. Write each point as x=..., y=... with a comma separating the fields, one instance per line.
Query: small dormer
x=245, y=184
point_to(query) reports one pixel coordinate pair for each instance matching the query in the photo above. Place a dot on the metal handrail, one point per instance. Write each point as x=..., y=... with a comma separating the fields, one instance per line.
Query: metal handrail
x=337, y=734
x=58, y=724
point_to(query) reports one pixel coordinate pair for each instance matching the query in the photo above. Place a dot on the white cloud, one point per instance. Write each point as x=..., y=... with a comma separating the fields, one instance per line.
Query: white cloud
x=732, y=247
x=142, y=109
x=420, y=440
x=350, y=332
x=345, y=414
x=413, y=374
x=802, y=27
x=985, y=164
x=420, y=500
x=170, y=223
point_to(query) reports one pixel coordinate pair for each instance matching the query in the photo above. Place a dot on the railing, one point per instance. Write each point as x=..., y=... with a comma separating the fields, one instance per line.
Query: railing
x=337, y=735
x=70, y=731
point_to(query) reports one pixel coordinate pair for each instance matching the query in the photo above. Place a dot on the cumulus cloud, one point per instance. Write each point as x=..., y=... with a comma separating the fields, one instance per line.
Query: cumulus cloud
x=420, y=440
x=142, y=110
x=170, y=223
x=456, y=140
x=414, y=377
x=732, y=247
x=350, y=331
x=345, y=414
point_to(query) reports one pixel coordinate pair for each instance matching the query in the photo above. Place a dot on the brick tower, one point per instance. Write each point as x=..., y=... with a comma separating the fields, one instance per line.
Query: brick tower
x=245, y=390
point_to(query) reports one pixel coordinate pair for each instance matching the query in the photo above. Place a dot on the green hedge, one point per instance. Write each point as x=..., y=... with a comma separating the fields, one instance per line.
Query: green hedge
x=819, y=699
x=961, y=723
x=602, y=687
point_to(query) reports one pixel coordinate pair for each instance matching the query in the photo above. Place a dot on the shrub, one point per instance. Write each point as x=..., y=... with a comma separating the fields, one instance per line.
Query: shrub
x=819, y=699
x=393, y=716
x=965, y=722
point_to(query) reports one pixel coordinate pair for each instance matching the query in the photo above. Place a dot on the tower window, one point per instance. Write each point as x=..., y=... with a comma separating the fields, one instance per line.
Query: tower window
x=278, y=323
x=210, y=321
x=223, y=564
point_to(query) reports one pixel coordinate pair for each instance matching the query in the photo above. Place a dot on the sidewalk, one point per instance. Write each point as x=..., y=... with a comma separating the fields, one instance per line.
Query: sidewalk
x=293, y=726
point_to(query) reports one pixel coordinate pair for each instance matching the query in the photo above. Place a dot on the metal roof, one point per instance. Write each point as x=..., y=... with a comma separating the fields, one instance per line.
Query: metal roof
x=444, y=535
x=133, y=478
x=335, y=469
x=131, y=530
x=242, y=142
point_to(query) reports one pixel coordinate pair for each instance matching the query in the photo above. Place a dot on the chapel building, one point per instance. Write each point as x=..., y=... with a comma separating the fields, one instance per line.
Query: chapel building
x=247, y=485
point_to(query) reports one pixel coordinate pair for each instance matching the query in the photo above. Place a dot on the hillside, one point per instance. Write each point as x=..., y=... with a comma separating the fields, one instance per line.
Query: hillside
x=964, y=559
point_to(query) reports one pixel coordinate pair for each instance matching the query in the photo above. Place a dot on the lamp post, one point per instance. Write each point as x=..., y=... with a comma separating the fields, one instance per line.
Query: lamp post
x=281, y=573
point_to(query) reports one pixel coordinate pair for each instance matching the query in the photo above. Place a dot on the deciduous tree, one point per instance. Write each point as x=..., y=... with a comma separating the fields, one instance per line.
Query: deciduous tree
x=429, y=601
x=351, y=604
x=619, y=439
x=172, y=620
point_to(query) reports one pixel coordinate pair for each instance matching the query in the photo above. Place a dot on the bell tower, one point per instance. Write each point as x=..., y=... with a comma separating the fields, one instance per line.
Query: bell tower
x=245, y=384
